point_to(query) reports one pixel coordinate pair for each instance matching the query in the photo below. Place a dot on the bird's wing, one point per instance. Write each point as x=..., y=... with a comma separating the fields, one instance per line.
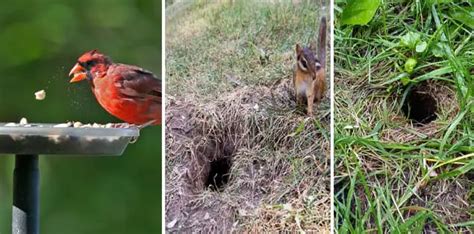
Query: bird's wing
x=138, y=83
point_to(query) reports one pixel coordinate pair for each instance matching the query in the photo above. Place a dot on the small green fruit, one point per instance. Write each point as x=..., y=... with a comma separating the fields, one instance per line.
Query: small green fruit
x=410, y=64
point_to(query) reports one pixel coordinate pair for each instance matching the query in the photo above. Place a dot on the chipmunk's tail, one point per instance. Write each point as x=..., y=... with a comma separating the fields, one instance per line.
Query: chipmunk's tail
x=322, y=42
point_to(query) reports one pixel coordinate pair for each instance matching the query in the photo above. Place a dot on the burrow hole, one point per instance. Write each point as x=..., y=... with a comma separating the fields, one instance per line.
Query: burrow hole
x=219, y=174
x=219, y=159
x=420, y=106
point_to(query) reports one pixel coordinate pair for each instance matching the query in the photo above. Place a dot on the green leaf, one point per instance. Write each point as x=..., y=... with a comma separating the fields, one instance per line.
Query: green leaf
x=421, y=47
x=359, y=12
x=410, y=40
x=438, y=50
x=410, y=65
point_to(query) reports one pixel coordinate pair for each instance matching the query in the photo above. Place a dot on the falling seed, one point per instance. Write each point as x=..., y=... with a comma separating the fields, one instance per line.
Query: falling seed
x=40, y=95
x=77, y=124
x=23, y=121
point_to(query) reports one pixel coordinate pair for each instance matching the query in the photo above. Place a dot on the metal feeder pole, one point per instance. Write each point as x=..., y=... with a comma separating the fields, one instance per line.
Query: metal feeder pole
x=25, y=218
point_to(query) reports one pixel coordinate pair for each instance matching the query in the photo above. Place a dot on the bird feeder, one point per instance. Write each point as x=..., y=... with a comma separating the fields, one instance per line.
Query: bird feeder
x=26, y=142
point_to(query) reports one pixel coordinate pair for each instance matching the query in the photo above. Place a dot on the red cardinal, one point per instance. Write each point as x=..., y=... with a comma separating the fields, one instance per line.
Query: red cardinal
x=129, y=93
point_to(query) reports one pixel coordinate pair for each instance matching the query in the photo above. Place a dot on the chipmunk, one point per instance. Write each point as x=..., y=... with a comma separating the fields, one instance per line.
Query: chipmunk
x=309, y=77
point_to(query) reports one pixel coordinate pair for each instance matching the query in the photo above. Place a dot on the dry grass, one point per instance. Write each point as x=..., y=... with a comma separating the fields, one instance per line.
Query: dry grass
x=279, y=179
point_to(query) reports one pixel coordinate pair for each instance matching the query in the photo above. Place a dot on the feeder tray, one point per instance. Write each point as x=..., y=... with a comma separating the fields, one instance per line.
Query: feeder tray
x=47, y=139
x=28, y=141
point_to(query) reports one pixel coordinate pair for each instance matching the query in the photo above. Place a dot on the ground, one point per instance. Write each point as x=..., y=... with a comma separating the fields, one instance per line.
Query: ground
x=240, y=155
x=403, y=137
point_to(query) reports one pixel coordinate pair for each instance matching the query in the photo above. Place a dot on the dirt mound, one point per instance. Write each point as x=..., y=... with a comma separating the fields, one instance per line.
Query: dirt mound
x=247, y=161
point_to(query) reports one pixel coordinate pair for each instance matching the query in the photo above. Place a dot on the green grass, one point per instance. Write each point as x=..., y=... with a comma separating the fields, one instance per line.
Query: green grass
x=393, y=176
x=250, y=42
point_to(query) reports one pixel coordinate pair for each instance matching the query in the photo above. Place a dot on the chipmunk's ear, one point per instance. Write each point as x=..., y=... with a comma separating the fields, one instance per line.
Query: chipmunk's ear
x=298, y=49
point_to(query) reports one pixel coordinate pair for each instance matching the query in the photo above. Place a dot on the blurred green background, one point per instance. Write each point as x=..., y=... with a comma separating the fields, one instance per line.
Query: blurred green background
x=39, y=43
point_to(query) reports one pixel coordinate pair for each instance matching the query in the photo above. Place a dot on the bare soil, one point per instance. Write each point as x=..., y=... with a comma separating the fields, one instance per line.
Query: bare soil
x=247, y=162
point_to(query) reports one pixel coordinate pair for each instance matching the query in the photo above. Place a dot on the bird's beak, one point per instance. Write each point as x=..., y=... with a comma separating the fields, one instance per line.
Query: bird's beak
x=78, y=72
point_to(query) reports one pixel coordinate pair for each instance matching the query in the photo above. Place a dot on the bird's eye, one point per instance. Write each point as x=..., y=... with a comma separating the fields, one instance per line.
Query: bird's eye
x=90, y=63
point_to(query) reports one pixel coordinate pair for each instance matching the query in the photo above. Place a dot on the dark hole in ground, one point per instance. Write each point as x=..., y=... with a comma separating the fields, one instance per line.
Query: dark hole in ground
x=219, y=174
x=420, y=106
